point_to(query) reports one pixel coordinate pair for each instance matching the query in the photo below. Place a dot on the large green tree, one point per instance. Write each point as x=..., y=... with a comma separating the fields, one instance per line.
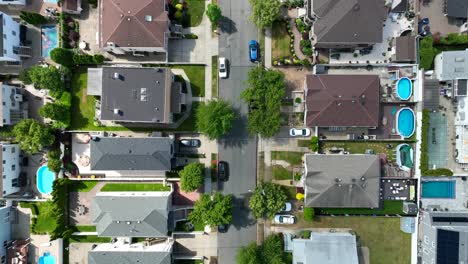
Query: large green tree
x=57, y=112
x=264, y=94
x=48, y=78
x=54, y=162
x=267, y=200
x=212, y=210
x=191, y=177
x=249, y=254
x=214, y=118
x=33, y=18
x=270, y=252
x=265, y=12
x=214, y=14
x=33, y=136
x=62, y=56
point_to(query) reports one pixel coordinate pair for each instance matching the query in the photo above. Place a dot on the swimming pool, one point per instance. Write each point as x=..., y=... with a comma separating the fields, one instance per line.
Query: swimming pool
x=404, y=157
x=46, y=259
x=51, y=1
x=49, y=40
x=405, y=122
x=404, y=88
x=438, y=189
x=44, y=180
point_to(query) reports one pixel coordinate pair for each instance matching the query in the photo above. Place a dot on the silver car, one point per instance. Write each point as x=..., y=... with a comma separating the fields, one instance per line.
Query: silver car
x=222, y=67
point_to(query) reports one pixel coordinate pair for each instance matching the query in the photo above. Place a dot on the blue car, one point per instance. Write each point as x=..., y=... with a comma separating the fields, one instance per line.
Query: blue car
x=253, y=47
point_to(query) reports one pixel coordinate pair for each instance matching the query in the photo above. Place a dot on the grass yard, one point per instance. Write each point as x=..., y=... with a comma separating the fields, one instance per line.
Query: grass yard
x=280, y=173
x=196, y=11
x=89, y=239
x=290, y=192
x=188, y=261
x=214, y=76
x=196, y=74
x=280, y=43
x=189, y=123
x=389, y=207
x=382, y=235
x=360, y=147
x=42, y=213
x=83, y=228
x=134, y=187
x=83, y=186
x=293, y=158
x=182, y=227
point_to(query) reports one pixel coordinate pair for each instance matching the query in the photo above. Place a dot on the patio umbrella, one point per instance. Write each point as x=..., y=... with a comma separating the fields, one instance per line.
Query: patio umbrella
x=84, y=160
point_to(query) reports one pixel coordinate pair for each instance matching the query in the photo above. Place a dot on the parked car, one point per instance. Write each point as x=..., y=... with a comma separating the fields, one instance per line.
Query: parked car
x=222, y=228
x=222, y=67
x=223, y=171
x=287, y=207
x=191, y=143
x=285, y=219
x=294, y=132
x=253, y=51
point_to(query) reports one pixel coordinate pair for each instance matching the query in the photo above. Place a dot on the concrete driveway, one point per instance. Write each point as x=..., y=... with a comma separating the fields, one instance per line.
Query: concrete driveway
x=438, y=22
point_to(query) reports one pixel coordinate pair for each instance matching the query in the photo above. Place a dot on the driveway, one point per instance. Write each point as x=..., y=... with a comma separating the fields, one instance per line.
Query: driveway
x=89, y=28
x=85, y=199
x=191, y=245
x=438, y=22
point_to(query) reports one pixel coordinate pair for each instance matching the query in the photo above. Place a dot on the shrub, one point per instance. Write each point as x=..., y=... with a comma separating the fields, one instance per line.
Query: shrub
x=301, y=25
x=298, y=100
x=306, y=234
x=309, y=214
x=93, y=3
x=190, y=36
x=62, y=56
x=314, y=144
x=98, y=59
x=426, y=53
x=33, y=18
x=454, y=39
x=191, y=177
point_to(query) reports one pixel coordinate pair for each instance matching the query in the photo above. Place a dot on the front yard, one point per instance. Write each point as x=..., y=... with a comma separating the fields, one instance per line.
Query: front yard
x=280, y=41
x=293, y=158
x=135, y=187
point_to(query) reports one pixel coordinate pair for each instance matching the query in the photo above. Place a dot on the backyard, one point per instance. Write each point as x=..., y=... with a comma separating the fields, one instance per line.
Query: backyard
x=280, y=44
x=389, y=208
x=135, y=187
x=361, y=147
x=42, y=213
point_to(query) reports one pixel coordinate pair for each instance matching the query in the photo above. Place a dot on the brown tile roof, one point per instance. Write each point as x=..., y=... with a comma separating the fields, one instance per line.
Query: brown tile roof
x=342, y=100
x=124, y=23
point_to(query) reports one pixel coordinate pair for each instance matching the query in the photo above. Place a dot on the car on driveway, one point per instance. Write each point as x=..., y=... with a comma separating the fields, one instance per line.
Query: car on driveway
x=295, y=132
x=191, y=143
x=253, y=50
x=222, y=67
x=287, y=207
x=284, y=219
x=223, y=171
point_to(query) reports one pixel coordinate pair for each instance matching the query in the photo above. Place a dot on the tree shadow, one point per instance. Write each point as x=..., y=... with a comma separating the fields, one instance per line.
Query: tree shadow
x=226, y=25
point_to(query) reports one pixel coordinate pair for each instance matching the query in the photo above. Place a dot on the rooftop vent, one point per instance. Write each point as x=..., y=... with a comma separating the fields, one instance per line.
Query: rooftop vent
x=129, y=19
x=337, y=180
x=116, y=111
x=118, y=222
x=128, y=222
x=144, y=98
x=364, y=185
x=143, y=90
x=116, y=76
x=459, y=59
x=148, y=18
x=363, y=178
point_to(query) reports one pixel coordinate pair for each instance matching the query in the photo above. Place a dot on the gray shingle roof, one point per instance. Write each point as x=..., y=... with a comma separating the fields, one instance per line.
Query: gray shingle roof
x=451, y=65
x=132, y=216
x=120, y=154
x=128, y=257
x=457, y=8
x=342, y=181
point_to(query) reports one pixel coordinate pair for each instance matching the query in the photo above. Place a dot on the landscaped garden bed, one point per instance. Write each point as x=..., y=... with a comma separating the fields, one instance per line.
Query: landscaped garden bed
x=283, y=52
x=135, y=187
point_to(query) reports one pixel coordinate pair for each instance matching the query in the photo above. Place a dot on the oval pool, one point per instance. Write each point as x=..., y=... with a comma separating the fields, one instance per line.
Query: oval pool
x=405, y=122
x=404, y=157
x=44, y=179
x=404, y=88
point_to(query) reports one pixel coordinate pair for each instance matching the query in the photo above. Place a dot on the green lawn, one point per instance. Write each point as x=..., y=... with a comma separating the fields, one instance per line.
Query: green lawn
x=290, y=192
x=83, y=186
x=214, y=76
x=42, y=212
x=181, y=227
x=280, y=41
x=134, y=187
x=360, y=147
x=389, y=207
x=280, y=173
x=382, y=235
x=196, y=75
x=188, y=261
x=196, y=11
x=293, y=158
x=89, y=239
x=303, y=143
x=83, y=228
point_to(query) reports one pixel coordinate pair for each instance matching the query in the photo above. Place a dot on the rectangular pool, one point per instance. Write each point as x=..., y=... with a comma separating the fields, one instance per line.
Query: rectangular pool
x=438, y=189
x=49, y=37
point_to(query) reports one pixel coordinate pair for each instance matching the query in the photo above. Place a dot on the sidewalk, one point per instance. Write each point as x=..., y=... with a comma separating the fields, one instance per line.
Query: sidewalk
x=268, y=48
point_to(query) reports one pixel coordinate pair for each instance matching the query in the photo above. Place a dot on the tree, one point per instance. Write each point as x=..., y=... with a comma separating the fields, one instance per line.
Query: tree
x=57, y=112
x=309, y=213
x=33, y=136
x=54, y=165
x=214, y=14
x=265, y=12
x=214, y=118
x=33, y=18
x=270, y=252
x=191, y=177
x=314, y=143
x=264, y=95
x=213, y=211
x=249, y=254
x=267, y=200
x=427, y=52
x=48, y=78
x=62, y=56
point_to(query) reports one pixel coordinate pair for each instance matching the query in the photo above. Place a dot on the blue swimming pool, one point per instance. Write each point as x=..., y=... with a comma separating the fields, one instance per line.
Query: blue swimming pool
x=44, y=180
x=51, y=1
x=46, y=259
x=49, y=40
x=404, y=88
x=405, y=122
x=438, y=189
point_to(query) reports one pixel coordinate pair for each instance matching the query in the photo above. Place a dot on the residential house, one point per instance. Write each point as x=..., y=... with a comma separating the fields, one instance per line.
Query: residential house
x=135, y=94
x=451, y=65
x=132, y=214
x=72, y=7
x=406, y=49
x=355, y=183
x=444, y=237
x=346, y=24
x=10, y=156
x=326, y=248
x=12, y=251
x=342, y=100
x=456, y=9
x=13, y=2
x=13, y=109
x=133, y=26
x=12, y=48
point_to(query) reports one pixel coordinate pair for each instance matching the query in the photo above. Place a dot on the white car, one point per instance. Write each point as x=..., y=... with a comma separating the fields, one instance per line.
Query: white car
x=222, y=67
x=294, y=132
x=287, y=207
x=284, y=219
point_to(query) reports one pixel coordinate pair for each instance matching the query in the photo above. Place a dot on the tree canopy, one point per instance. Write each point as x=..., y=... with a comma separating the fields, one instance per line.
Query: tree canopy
x=264, y=94
x=265, y=12
x=62, y=56
x=267, y=200
x=213, y=211
x=33, y=136
x=214, y=118
x=54, y=162
x=214, y=14
x=48, y=78
x=270, y=252
x=33, y=18
x=57, y=112
x=191, y=177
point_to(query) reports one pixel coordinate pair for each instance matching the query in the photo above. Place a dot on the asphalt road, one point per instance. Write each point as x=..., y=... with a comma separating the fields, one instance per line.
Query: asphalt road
x=238, y=148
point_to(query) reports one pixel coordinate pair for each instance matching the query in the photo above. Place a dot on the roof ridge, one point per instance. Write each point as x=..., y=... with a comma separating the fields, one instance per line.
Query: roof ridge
x=117, y=25
x=343, y=14
x=365, y=110
x=147, y=30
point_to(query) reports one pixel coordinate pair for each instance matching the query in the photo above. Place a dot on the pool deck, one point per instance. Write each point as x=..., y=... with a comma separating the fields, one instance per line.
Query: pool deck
x=458, y=203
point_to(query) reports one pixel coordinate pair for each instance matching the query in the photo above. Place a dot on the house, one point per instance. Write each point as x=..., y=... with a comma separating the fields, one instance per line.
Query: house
x=13, y=2
x=355, y=183
x=346, y=24
x=72, y=7
x=13, y=109
x=136, y=94
x=326, y=248
x=110, y=253
x=133, y=26
x=12, y=251
x=342, y=100
x=444, y=237
x=10, y=156
x=456, y=8
x=406, y=49
x=451, y=65
x=12, y=48
x=132, y=214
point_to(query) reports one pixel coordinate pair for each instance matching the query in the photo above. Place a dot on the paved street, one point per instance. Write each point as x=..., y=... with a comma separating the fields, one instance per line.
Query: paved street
x=238, y=149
